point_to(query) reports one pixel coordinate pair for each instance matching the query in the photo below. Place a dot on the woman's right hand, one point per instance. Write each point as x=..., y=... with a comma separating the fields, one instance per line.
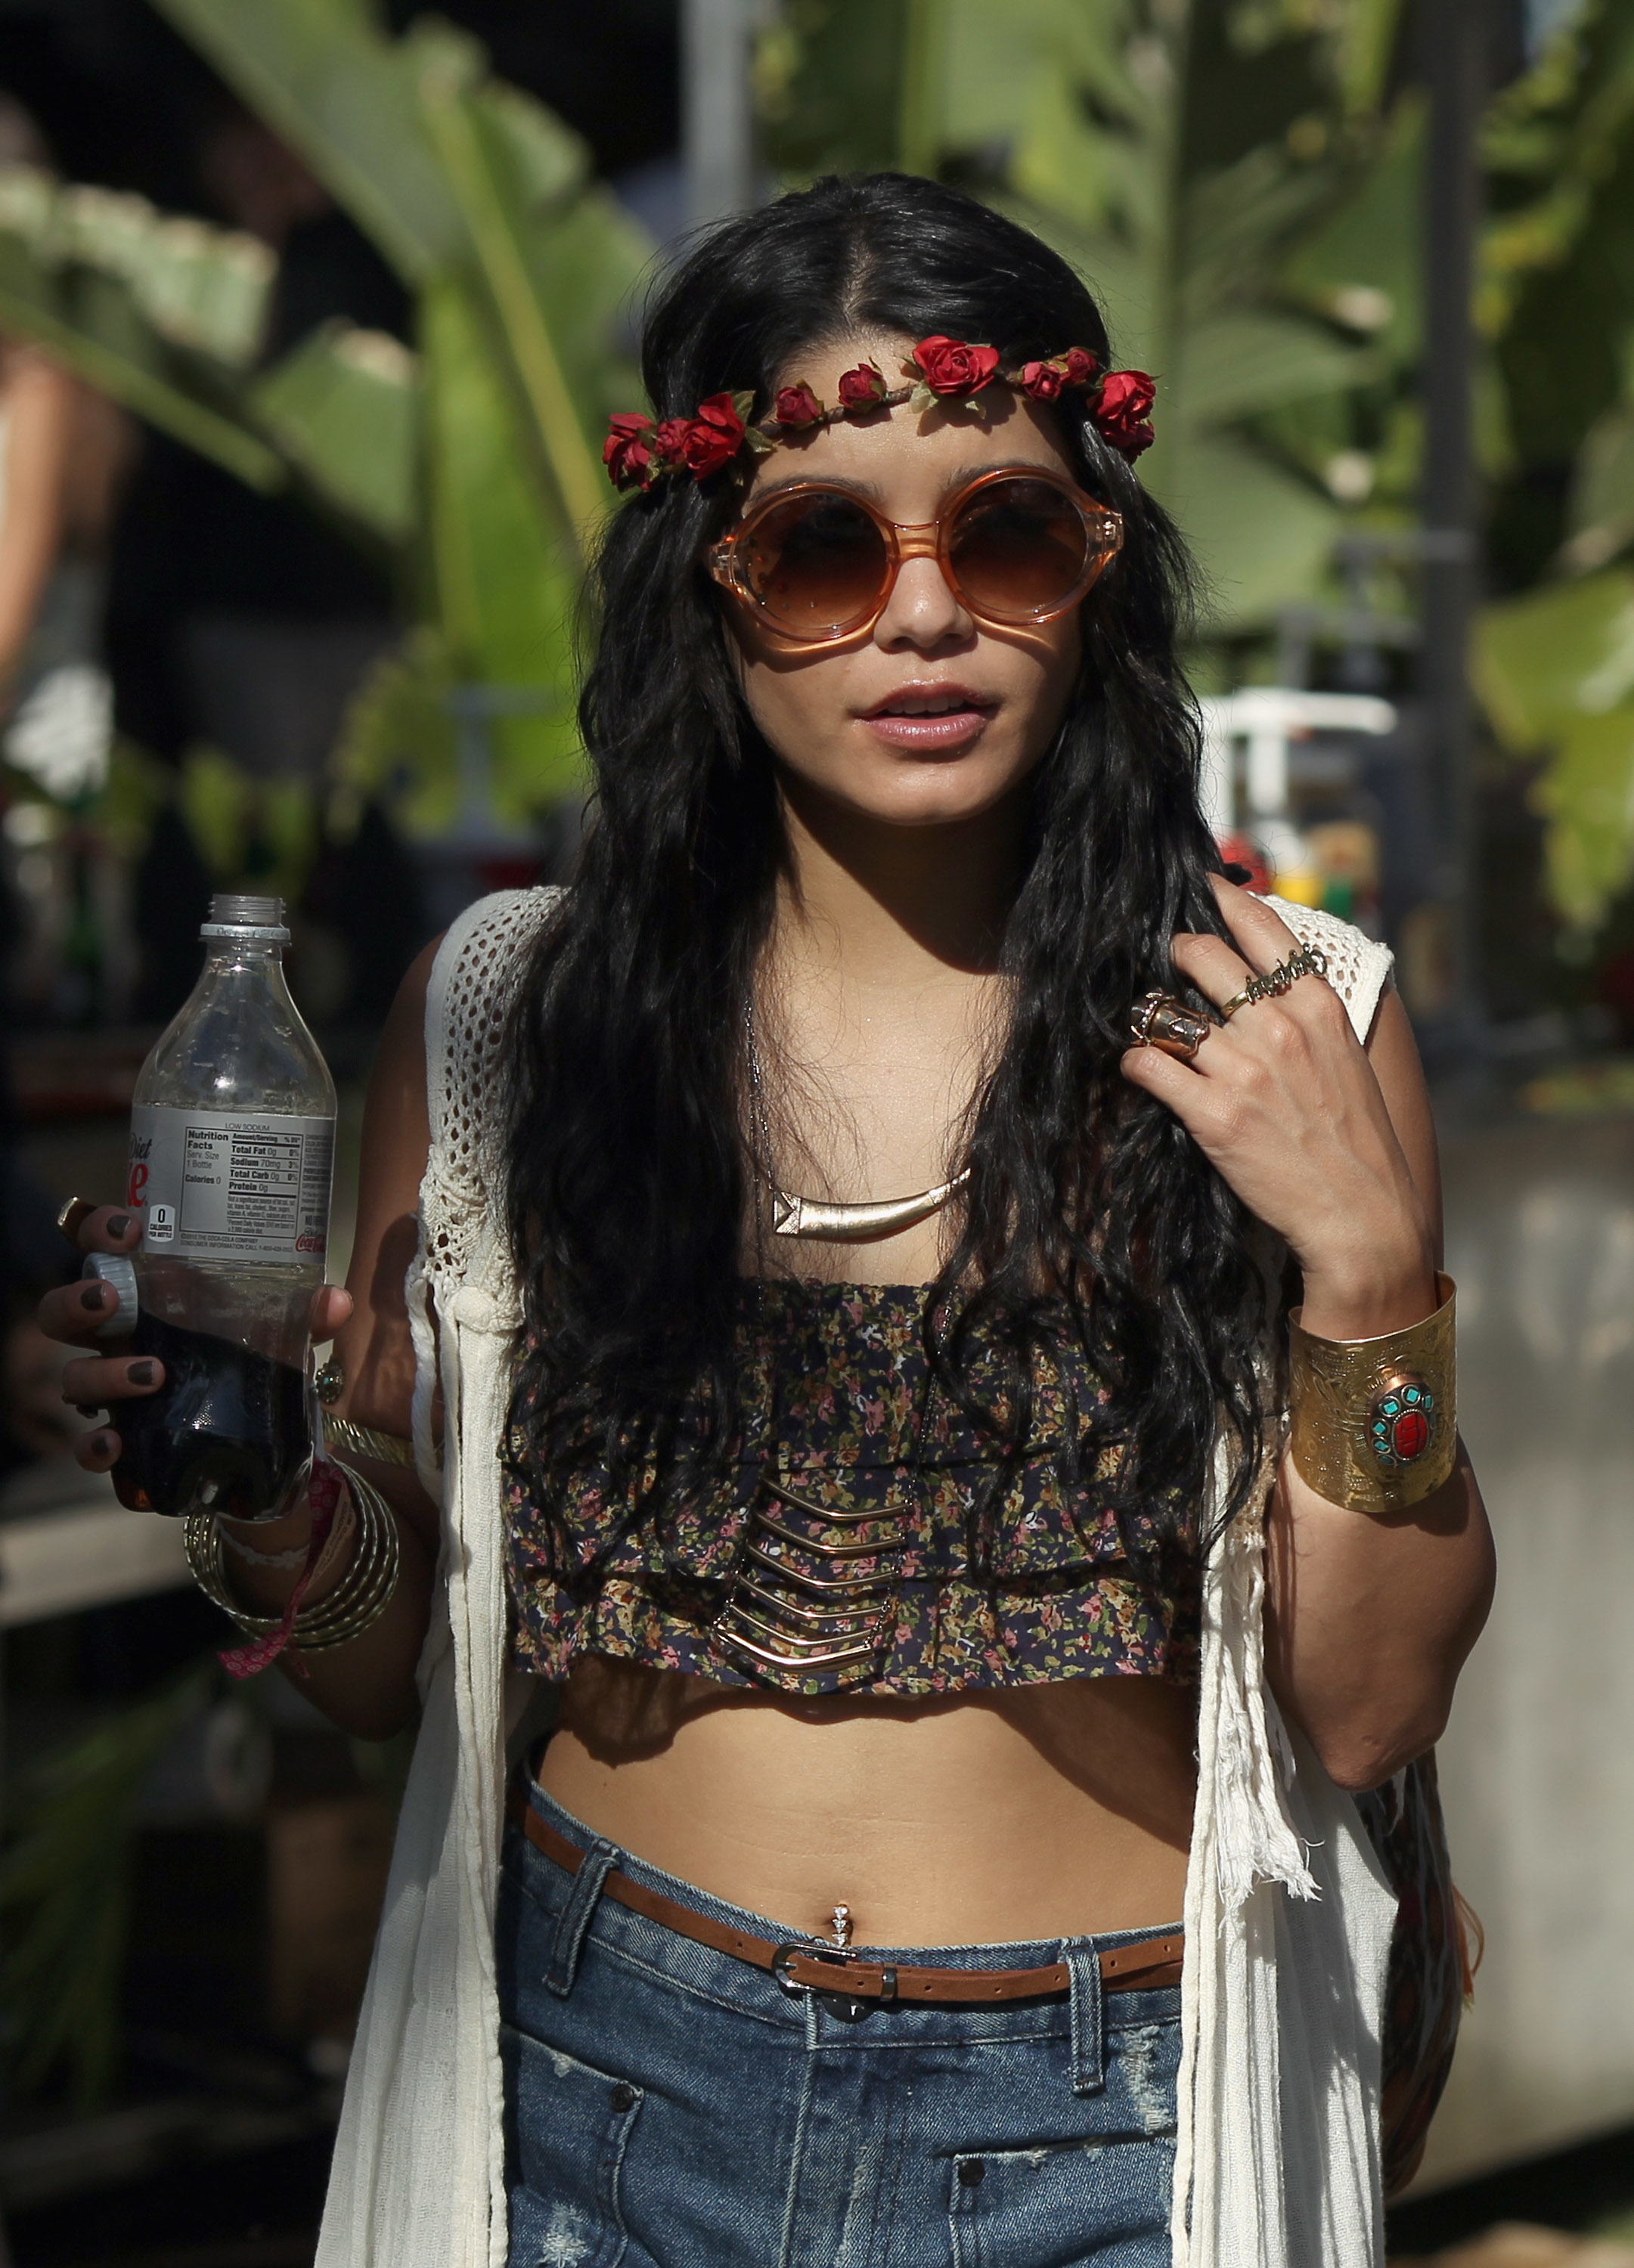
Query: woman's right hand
x=102, y=1380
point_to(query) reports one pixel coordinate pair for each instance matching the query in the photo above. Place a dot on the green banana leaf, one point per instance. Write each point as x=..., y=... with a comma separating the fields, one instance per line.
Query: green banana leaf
x=160, y=314
x=525, y=272
x=451, y=171
x=1601, y=514
x=502, y=586
x=198, y=286
x=1544, y=661
x=1362, y=265
x=347, y=99
x=506, y=210
x=344, y=408
x=1555, y=672
x=1588, y=844
x=166, y=316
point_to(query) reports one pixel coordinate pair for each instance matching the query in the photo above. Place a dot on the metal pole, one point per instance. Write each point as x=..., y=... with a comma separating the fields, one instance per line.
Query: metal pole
x=718, y=144
x=1454, y=69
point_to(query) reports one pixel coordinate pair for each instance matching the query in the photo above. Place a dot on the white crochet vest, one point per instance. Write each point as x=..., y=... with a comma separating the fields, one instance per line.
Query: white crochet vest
x=1288, y=1918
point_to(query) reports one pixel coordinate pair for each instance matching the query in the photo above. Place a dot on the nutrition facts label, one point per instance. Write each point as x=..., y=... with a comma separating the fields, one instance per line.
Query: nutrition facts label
x=225, y=1185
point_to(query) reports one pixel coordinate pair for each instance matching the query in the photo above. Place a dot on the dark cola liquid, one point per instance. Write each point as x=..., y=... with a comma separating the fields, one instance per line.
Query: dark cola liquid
x=228, y=1431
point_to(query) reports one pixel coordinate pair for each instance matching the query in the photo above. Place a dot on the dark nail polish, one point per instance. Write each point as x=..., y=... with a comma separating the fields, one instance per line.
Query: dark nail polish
x=119, y=1224
x=93, y=1296
x=91, y=1409
x=140, y=1373
x=103, y=1444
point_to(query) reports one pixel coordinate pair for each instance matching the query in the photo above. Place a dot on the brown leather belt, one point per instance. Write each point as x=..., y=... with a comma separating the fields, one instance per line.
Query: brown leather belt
x=1152, y=1963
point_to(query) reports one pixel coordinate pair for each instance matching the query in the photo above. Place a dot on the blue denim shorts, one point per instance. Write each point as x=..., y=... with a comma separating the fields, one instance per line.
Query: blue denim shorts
x=668, y=2106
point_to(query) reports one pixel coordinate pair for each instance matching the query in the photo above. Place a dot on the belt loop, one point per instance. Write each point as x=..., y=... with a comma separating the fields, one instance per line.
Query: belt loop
x=1088, y=2055
x=574, y=1918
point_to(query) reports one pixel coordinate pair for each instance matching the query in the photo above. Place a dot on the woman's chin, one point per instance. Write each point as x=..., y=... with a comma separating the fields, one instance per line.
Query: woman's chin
x=913, y=792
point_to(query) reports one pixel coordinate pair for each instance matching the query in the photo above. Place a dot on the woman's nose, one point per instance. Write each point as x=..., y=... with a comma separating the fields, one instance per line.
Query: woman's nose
x=922, y=610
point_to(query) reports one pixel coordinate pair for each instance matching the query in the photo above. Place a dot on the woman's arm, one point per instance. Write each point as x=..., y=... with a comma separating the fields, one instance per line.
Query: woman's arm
x=40, y=402
x=1371, y=1618
x=367, y=1686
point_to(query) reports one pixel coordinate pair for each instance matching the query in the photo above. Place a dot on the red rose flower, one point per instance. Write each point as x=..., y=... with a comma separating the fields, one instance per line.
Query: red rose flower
x=950, y=366
x=1123, y=412
x=863, y=388
x=713, y=437
x=627, y=452
x=669, y=441
x=1081, y=365
x=796, y=406
x=1043, y=380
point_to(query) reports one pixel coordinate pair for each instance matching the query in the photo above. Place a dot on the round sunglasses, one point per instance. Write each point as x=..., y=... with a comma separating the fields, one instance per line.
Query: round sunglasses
x=818, y=562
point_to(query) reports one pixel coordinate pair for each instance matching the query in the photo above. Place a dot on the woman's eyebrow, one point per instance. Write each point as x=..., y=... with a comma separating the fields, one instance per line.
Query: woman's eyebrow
x=958, y=478
x=820, y=480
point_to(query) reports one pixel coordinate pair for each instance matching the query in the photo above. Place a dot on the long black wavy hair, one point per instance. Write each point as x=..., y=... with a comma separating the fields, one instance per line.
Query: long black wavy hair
x=630, y=1158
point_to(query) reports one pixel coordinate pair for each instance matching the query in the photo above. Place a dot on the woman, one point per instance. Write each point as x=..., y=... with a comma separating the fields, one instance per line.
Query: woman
x=895, y=1557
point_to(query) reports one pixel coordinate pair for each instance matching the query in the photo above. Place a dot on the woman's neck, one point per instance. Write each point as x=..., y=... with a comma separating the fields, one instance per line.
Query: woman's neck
x=886, y=905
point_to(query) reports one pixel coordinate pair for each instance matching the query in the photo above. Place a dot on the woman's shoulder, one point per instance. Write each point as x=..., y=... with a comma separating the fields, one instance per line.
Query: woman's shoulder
x=492, y=930
x=480, y=952
x=1358, y=965
x=475, y=965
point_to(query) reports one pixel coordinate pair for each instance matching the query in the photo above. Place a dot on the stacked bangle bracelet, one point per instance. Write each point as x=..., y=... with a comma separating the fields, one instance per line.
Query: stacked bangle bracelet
x=1375, y=1421
x=355, y=1605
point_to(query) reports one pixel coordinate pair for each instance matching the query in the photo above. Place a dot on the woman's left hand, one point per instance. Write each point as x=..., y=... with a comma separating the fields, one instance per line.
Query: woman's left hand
x=1282, y=1102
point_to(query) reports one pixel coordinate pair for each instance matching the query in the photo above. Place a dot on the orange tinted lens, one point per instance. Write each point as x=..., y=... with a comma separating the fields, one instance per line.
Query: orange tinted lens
x=1019, y=548
x=816, y=564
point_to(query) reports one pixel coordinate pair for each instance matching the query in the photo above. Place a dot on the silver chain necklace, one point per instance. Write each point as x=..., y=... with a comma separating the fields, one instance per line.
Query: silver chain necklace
x=813, y=1217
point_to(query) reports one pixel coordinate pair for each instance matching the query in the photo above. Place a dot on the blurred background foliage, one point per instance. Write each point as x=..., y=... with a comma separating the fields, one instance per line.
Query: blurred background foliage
x=471, y=462
x=1242, y=185
x=1239, y=180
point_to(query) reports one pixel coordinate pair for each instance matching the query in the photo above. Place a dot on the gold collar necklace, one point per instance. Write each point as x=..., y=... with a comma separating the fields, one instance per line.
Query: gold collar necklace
x=813, y=1217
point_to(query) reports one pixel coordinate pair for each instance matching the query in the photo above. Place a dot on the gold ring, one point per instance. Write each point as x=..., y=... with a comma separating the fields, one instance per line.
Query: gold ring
x=1309, y=960
x=73, y=1217
x=1160, y=1021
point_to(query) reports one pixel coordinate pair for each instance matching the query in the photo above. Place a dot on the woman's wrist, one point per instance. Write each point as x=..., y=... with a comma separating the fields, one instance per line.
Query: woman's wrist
x=1352, y=1309
x=268, y=1557
x=1367, y=1287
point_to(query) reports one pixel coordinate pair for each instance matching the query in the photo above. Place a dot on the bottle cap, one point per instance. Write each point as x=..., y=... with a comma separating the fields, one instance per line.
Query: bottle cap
x=259, y=919
x=116, y=1268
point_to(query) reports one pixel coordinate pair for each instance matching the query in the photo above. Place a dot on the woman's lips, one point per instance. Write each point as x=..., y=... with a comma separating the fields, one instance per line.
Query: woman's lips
x=927, y=735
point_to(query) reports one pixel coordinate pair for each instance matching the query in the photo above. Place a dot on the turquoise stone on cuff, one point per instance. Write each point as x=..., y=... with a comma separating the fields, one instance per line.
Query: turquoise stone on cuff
x=1401, y=1425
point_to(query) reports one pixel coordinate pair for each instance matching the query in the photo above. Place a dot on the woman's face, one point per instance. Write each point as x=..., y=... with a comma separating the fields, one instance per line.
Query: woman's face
x=930, y=717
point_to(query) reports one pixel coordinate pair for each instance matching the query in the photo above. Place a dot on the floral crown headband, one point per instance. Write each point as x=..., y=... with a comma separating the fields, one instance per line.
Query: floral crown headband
x=638, y=452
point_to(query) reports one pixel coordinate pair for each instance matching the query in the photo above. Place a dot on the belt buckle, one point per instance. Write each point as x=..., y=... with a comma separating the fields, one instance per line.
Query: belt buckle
x=846, y=2005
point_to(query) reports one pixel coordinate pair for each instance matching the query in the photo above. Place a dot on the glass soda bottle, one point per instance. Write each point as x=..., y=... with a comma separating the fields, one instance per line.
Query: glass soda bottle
x=232, y=1151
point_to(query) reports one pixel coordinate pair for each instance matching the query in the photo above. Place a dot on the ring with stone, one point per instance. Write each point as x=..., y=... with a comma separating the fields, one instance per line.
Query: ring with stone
x=1160, y=1021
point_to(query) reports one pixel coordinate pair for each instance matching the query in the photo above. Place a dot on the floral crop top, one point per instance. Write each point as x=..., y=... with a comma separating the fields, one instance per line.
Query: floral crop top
x=835, y=1555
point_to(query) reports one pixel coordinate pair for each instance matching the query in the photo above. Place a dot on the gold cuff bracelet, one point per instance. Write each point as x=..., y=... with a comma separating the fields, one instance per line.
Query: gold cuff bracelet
x=366, y=1441
x=1375, y=1421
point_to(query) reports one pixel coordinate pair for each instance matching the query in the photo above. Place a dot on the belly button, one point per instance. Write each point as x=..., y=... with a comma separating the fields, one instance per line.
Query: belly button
x=840, y=1922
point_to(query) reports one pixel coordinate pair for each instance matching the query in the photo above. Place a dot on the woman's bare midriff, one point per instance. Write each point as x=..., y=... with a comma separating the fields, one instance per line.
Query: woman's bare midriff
x=1037, y=1812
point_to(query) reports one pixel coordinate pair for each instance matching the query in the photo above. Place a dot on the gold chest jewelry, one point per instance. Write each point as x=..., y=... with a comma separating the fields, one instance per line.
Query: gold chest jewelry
x=810, y=1592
